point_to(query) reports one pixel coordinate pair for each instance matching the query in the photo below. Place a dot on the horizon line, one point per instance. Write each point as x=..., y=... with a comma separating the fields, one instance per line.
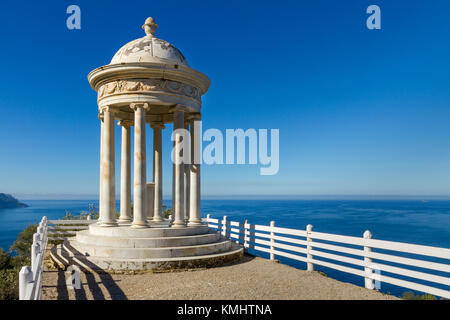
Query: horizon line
x=88, y=197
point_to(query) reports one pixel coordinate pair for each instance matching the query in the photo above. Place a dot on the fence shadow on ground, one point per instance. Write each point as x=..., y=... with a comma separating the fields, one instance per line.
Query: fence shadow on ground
x=92, y=284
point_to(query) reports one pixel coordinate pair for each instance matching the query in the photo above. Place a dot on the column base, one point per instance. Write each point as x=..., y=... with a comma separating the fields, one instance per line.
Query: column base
x=178, y=224
x=125, y=221
x=194, y=223
x=140, y=225
x=108, y=224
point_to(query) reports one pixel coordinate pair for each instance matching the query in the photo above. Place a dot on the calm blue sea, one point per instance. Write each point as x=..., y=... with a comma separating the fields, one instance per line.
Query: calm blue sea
x=419, y=222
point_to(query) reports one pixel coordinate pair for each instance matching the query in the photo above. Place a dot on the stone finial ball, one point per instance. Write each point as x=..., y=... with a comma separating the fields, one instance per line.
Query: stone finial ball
x=150, y=26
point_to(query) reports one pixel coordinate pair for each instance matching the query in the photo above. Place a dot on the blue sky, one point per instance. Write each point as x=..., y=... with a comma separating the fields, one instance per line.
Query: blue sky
x=360, y=112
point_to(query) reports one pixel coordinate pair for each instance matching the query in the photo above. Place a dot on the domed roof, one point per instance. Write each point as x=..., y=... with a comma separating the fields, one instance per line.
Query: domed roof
x=149, y=49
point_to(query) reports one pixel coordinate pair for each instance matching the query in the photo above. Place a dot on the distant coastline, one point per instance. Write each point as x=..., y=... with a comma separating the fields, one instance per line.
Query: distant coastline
x=8, y=201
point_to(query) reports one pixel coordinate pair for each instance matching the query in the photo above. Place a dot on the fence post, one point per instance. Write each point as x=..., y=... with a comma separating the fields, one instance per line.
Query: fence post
x=369, y=282
x=88, y=218
x=25, y=277
x=43, y=225
x=224, y=226
x=309, y=257
x=35, y=250
x=272, y=241
x=208, y=216
x=246, y=235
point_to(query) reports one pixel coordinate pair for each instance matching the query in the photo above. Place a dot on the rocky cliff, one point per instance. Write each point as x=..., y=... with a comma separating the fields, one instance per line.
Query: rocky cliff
x=8, y=201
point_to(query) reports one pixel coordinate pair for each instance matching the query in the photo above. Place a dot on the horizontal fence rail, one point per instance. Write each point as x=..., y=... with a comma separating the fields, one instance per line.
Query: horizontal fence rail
x=354, y=255
x=30, y=279
x=62, y=229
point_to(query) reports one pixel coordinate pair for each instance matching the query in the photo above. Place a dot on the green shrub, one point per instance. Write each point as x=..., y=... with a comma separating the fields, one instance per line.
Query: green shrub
x=167, y=212
x=323, y=274
x=22, y=246
x=92, y=212
x=12, y=261
x=409, y=295
x=5, y=259
x=9, y=284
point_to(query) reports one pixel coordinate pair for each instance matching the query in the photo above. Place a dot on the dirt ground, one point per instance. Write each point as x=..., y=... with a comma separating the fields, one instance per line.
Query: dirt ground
x=252, y=278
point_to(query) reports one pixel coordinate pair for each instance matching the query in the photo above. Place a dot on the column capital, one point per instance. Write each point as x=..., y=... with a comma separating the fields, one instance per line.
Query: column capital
x=157, y=125
x=125, y=123
x=105, y=108
x=179, y=107
x=143, y=105
x=100, y=116
x=194, y=116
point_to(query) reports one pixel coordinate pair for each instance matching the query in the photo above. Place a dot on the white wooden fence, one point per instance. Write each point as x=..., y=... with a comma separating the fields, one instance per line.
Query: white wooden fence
x=301, y=245
x=62, y=229
x=312, y=247
x=30, y=279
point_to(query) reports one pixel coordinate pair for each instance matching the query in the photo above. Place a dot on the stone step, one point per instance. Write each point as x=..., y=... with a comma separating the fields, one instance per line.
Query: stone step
x=125, y=249
x=111, y=265
x=126, y=231
x=64, y=258
x=67, y=255
x=85, y=237
x=96, y=250
x=59, y=257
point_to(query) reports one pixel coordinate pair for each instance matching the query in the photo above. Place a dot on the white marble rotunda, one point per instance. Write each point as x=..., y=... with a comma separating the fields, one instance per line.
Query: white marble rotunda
x=147, y=85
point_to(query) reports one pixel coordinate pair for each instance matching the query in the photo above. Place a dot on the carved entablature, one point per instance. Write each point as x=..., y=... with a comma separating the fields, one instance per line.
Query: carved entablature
x=148, y=85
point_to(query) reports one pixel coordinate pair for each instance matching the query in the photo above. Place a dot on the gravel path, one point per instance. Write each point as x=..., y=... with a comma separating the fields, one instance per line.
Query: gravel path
x=253, y=278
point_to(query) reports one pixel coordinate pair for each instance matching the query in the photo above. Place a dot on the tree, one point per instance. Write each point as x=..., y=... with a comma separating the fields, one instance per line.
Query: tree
x=10, y=264
x=5, y=259
x=22, y=246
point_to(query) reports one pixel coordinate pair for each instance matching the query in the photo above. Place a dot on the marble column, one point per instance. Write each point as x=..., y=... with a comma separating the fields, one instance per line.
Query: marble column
x=194, y=203
x=157, y=170
x=140, y=170
x=100, y=201
x=173, y=182
x=108, y=205
x=186, y=177
x=178, y=123
x=125, y=173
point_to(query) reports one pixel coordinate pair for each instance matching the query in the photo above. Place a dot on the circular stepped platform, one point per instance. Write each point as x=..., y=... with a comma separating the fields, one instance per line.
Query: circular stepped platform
x=99, y=251
x=122, y=249
x=84, y=237
x=126, y=231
